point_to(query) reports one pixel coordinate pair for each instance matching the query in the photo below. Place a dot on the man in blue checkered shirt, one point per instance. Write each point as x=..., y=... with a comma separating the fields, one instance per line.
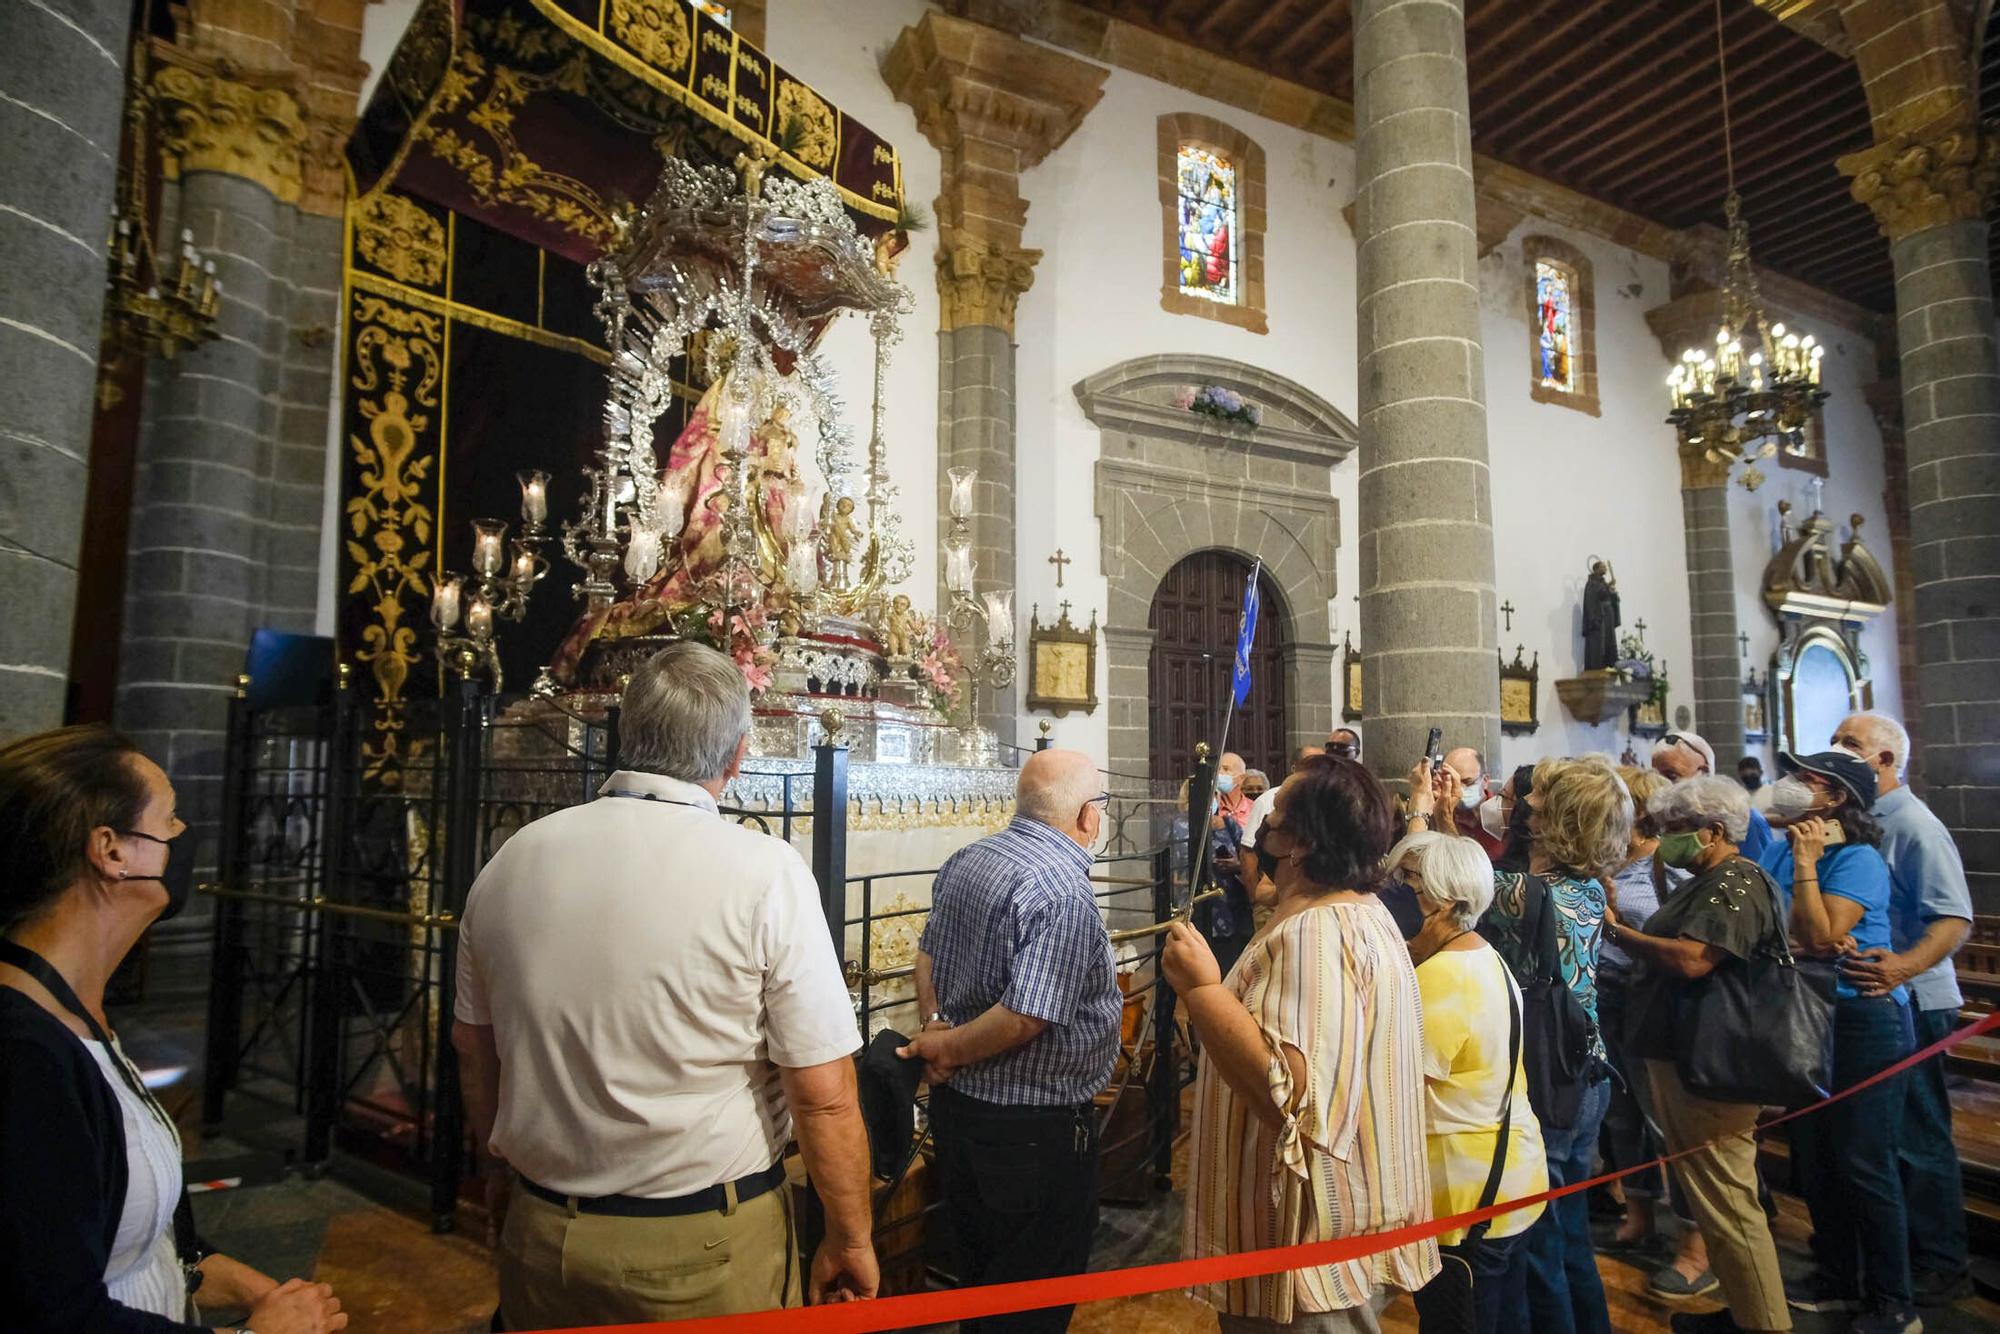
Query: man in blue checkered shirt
x=1015, y=974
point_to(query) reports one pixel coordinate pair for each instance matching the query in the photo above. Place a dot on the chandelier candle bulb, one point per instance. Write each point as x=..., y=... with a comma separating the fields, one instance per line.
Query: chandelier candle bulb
x=962, y=480
x=479, y=619
x=1000, y=615
x=444, y=604
x=488, y=551
x=524, y=570
x=534, y=497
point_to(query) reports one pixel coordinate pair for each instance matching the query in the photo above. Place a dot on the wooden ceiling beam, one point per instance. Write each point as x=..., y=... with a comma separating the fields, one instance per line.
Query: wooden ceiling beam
x=1578, y=15
x=1773, y=157
x=1592, y=165
x=1218, y=14
x=1255, y=32
x=1282, y=56
x=1644, y=72
x=1339, y=48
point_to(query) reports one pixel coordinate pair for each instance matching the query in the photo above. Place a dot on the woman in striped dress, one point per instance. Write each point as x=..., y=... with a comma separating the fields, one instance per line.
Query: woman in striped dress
x=1309, y=1103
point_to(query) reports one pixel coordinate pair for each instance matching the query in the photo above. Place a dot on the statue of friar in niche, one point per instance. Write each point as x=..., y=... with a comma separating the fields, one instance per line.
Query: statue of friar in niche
x=1600, y=617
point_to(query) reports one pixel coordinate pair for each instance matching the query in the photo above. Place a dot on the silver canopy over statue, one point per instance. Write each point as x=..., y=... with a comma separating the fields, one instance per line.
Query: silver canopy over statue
x=733, y=537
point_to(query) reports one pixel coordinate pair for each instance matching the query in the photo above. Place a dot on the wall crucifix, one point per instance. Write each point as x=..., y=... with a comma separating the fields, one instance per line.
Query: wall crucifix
x=1507, y=610
x=1059, y=561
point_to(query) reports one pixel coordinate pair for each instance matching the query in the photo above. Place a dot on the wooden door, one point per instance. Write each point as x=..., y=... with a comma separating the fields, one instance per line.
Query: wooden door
x=1194, y=619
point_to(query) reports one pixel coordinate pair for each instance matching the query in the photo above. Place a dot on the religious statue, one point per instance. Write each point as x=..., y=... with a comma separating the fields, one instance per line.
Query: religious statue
x=1600, y=618
x=899, y=628
x=841, y=537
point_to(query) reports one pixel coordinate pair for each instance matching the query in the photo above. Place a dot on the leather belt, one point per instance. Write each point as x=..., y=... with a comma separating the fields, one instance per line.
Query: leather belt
x=713, y=1200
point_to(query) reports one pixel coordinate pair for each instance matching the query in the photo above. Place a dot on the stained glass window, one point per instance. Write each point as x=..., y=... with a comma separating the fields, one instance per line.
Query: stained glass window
x=1555, y=303
x=1208, y=225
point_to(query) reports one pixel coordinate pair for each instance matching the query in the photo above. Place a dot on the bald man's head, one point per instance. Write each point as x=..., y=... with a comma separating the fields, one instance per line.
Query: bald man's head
x=1466, y=763
x=1232, y=764
x=1060, y=788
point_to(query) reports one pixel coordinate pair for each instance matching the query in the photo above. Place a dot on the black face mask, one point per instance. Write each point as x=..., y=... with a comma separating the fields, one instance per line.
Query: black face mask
x=1401, y=901
x=177, y=876
x=1751, y=781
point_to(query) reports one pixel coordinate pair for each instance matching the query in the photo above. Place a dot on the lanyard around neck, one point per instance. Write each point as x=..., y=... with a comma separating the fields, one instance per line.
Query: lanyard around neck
x=44, y=972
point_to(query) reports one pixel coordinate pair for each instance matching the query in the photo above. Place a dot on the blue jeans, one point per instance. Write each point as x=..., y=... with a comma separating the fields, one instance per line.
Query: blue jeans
x=1845, y=1156
x=1565, y=1295
x=1932, y=1191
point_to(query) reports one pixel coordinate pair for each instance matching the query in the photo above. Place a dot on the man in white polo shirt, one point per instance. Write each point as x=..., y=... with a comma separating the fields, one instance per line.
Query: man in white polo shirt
x=649, y=1009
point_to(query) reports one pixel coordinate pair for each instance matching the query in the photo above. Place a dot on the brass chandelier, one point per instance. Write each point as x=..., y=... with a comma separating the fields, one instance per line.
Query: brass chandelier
x=149, y=311
x=1731, y=402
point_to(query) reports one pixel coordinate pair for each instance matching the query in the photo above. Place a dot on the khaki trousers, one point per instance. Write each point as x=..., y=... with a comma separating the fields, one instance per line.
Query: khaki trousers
x=1721, y=1185
x=560, y=1268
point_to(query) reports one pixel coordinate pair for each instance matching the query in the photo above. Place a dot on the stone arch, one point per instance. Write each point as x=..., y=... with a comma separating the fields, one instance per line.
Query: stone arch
x=1171, y=482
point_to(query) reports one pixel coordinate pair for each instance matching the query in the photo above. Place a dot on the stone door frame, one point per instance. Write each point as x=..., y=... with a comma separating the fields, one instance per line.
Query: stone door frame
x=1171, y=483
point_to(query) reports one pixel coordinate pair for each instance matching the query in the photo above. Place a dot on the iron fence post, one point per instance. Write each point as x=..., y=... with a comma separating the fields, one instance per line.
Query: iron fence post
x=466, y=754
x=1164, y=1095
x=325, y=973
x=829, y=845
x=225, y=992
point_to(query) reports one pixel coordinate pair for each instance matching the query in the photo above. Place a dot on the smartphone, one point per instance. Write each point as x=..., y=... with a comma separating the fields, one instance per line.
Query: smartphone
x=1834, y=833
x=1432, y=755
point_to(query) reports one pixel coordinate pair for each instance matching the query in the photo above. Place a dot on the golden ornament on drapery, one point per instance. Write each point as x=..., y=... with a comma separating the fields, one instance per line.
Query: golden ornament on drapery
x=400, y=238
x=657, y=30
x=803, y=113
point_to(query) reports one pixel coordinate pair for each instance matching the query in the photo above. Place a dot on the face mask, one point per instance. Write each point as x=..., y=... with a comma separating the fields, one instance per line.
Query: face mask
x=1404, y=906
x=1492, y=818
x=177, y=876
x=1791, y=798
x=1470, y=796
x=1681, y=850
x=1225, y=783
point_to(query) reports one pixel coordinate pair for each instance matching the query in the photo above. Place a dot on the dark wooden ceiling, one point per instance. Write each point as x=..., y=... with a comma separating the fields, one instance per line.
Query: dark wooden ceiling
x=1620, y=100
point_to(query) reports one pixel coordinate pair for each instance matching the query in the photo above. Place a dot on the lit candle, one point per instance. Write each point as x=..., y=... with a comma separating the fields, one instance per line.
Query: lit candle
x=444, y=604
x=487, y=550
x=534, y=497
x=479, y=619
x=524, y=569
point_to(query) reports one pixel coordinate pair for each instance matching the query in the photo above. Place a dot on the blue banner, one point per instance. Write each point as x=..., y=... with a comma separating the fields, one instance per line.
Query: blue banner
x=1246, y=631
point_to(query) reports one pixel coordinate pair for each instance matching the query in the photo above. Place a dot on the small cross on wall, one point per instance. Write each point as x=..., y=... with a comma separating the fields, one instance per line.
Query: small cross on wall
x=1744, y=641
x=1059, y=561
x=1507, y=610
x=1640, y=626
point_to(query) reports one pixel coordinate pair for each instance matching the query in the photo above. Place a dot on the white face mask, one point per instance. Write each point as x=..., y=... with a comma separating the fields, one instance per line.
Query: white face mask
x=1791, y=797
x=1490, y=818
x=1470, y=796
x=1225, y=783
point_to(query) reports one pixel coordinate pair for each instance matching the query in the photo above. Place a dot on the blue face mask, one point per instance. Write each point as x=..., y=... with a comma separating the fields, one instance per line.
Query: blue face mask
x=1225, y=783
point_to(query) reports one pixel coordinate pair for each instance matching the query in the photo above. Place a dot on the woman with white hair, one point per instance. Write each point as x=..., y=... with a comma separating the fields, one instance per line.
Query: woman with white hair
x=1720, y=919
x=1480, y=1131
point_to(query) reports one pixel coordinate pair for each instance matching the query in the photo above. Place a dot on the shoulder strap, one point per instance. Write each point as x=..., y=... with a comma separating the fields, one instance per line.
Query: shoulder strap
x=44, y=972
x=1477, y=1231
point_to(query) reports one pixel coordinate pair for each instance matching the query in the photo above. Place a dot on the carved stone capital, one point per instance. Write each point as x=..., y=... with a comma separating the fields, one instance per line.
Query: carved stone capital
x=1931, y=177
x=1698, y=470
x=1687, y=321
x=211, y=122
x=980, y=282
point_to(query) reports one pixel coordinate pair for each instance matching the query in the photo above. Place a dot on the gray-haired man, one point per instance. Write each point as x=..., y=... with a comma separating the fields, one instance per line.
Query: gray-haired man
x=649, y=1008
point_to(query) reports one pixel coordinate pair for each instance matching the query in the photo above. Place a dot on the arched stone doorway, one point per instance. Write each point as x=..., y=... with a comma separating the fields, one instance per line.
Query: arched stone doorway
x=1171, y=483
x=1194, y=624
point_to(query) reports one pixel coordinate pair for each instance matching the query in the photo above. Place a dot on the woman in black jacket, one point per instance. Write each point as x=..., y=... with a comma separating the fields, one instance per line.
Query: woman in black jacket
x=95, y=1230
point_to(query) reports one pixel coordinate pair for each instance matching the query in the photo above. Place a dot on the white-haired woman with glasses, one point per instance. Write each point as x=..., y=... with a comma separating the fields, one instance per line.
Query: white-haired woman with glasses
x=1473, y=1087
x=1718, y=920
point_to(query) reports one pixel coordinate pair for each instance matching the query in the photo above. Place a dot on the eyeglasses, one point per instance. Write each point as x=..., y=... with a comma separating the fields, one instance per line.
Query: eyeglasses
x=1342, y=749
x=1101, y=799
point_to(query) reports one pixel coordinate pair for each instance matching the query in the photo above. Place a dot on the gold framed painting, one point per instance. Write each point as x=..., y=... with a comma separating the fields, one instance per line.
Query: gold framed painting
x=1062, y=664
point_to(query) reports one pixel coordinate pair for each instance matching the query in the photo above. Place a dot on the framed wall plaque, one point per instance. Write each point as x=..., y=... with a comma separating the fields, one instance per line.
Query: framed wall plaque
x=1520, y=683
x=1350, y=676
x=1062, y=664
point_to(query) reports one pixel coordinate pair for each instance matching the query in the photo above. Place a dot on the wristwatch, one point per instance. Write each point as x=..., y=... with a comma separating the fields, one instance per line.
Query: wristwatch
x=936, y=1017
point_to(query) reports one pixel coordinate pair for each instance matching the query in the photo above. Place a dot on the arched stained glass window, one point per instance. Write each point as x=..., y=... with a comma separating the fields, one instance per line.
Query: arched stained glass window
x=1555, y=305
x=1209, y=223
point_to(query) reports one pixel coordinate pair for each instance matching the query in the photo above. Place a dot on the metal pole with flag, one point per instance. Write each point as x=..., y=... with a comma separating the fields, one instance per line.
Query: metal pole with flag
x=1239, y=690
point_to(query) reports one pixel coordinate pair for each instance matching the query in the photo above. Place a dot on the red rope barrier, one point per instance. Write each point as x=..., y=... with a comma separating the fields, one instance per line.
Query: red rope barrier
x=931, y=1308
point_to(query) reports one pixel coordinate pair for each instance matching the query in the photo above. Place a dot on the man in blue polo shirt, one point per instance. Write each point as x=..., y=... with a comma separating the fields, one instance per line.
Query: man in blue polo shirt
x=1015, y=975
x=1930, y=915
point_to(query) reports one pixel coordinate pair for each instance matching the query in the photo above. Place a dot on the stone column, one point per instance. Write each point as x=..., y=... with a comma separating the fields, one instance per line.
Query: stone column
x=1929, y=178
x=1711, y=565
x=993, y=106
x=1428, y=634
x=62, y=88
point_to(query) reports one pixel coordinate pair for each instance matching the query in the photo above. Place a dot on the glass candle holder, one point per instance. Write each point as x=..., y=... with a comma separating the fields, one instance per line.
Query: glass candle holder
x=961, y=491
x=999, y=615
x=534, y=497
x=489, y=538
x=479, y=619
x=444, y=603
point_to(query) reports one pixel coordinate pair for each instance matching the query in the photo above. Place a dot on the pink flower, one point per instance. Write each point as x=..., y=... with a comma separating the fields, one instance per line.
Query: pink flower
x=1184, y=399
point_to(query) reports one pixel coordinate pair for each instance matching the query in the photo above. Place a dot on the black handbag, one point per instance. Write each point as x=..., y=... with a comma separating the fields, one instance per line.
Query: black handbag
x=1758, y=1030
x=1558, y=1031
x=1446, y=1304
